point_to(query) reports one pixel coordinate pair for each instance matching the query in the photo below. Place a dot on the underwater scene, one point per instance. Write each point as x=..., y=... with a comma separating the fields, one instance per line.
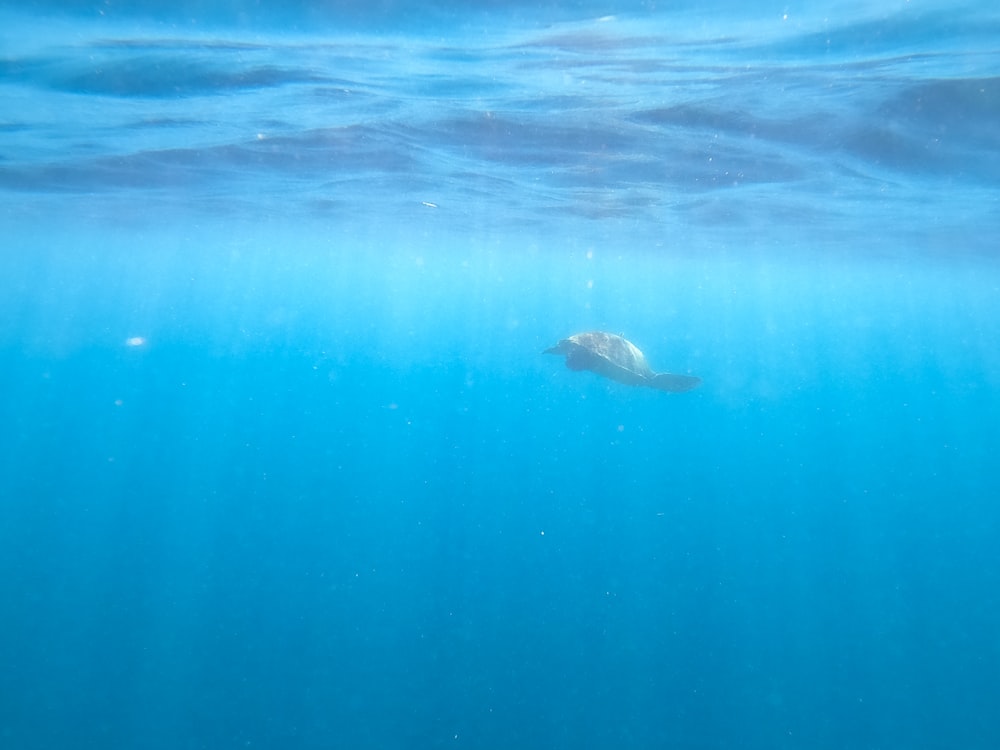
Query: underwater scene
x=500, y=375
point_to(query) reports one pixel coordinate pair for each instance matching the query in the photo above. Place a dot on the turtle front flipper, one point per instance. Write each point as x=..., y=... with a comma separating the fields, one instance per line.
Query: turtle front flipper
x=665, y=381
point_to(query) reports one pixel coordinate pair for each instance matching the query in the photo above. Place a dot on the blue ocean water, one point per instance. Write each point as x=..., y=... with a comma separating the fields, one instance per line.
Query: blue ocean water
x=282, y=464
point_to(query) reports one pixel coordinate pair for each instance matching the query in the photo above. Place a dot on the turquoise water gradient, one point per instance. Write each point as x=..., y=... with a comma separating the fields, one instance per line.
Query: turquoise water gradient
x=282, y=464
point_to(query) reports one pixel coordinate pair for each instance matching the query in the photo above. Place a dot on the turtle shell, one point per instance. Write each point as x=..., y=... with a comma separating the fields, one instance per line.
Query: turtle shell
x=608, y=355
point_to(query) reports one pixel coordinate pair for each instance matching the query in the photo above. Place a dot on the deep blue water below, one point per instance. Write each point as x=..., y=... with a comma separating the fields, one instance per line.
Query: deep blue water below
x=283, y=465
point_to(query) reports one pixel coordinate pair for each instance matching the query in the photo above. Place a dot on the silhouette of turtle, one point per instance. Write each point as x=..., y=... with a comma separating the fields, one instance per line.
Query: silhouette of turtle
x=616, y=358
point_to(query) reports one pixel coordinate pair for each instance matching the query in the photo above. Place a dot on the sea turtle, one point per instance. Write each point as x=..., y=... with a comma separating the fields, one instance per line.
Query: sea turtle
x=616, y=358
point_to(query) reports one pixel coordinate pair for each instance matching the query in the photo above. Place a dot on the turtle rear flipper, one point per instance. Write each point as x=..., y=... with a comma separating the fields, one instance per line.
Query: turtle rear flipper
x=665, y=381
